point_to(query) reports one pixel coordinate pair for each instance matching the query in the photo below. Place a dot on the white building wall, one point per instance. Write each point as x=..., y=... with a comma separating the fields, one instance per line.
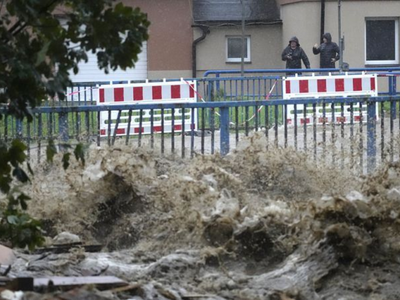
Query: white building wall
x=89, y=72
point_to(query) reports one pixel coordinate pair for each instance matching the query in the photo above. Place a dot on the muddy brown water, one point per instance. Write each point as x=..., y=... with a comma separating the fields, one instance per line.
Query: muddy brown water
x=255, y=224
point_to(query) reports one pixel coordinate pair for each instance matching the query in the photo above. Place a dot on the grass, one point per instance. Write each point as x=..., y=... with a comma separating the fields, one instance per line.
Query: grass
x=47, y=125
x=84, y=125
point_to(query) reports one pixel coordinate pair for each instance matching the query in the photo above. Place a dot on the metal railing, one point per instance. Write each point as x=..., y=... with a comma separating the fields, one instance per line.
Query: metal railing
x=363, y=144
x=254, y=86
x=228, y=109
x=390, y=74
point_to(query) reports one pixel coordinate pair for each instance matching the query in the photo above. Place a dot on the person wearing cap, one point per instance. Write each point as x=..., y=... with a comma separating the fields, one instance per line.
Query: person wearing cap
x=293, y=54
x=328, y=50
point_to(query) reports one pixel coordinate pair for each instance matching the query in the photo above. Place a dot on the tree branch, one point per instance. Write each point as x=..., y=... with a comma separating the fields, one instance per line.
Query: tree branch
x=19, y=26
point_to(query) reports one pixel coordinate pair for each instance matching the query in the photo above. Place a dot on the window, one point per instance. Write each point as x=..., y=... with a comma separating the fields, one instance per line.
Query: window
x=234, y=48
x=381, y=41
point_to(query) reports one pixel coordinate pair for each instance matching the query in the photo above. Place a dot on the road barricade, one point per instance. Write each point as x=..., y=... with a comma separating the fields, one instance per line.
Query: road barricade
x=147, y=121
x=326, y=86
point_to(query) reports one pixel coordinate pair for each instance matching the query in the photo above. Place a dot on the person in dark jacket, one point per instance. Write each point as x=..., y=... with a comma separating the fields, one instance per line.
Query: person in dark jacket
x=293, y=54
x=330, y=52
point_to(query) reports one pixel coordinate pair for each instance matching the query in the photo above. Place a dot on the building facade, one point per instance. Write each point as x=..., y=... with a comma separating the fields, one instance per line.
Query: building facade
x=190, y=37
x=171, y=36
x=227, y=22
x=370, y=28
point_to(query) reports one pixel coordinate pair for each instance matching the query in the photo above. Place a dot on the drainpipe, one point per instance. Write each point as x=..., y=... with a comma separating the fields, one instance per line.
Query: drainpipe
x=205, y=30
x=322, y=19
x=340, y=35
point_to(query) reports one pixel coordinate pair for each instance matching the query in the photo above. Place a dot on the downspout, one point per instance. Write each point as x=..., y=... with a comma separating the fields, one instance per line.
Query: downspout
x=205, y=30
x=322, y=19
x=340, y=35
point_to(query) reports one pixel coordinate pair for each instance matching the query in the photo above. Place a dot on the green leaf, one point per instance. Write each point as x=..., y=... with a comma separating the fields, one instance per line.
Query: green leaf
x=18, y=144
x=42, y=54
x=17, y=152
x=65, y=160
x=80, y=153
x=12, y=220
x=20, y=174
x=51, y=150
x=22, y=198
x=12, y=202
x=5, y=183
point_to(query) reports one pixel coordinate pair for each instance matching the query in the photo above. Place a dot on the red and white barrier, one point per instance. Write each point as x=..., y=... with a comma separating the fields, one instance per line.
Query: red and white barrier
x=149, y=92
x=321, y=86
x=171, y=91
x=316, y=86
x=338, y=117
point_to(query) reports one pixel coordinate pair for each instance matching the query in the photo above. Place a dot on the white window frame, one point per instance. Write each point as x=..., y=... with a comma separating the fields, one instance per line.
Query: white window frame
x=238, y=59
x=396, y=37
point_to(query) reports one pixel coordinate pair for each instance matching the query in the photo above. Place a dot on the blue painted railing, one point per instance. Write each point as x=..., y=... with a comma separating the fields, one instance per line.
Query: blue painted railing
x=282, y=72
x=255, y=85
x=63, y=130
x=221, y=76
x=230, y=106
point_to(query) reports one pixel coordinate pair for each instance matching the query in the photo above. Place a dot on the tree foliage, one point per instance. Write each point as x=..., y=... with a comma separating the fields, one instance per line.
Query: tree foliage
x=16, y=226
x=42, y=42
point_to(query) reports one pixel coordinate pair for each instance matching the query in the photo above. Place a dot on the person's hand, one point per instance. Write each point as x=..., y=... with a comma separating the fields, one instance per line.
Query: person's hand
x=333, y=59
x=316, y=46
x=289, y=56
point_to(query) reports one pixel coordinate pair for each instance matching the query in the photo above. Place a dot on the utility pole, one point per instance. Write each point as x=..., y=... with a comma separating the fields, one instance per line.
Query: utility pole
x=243, y=27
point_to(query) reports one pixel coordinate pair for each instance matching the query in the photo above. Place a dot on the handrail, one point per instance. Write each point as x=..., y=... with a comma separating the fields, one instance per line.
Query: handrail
x=218, y=72
x=224, y=110
x=219, y=104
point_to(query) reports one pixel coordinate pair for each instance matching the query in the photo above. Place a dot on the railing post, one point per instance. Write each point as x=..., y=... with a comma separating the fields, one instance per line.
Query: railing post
x=18, y=126
x=371, y=135
x=210, y=98
x=210, y=89
x=392, y=93
x=392, y=85
x=224, y=130
x=63, y=126
x=217, y=83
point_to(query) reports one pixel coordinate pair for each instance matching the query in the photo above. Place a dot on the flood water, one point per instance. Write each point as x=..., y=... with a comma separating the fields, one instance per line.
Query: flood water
x=255, y=224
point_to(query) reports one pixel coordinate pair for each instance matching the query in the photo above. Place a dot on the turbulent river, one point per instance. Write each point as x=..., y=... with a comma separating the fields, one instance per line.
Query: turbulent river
x=254, y=224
